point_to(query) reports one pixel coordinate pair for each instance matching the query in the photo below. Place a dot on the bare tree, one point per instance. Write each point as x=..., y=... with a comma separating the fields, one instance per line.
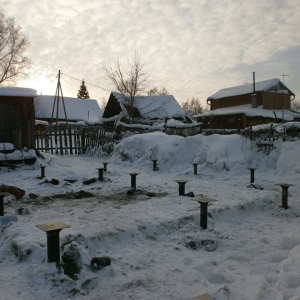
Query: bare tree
x=128, y=78
x=12, y=47
x=193, y=107
x=156, y=92
x=296, y=105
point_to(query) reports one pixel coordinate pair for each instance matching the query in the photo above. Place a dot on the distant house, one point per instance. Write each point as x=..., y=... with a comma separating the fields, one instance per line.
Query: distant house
x=250, y=104
x=17, y=116
x=146, y=109
x=84, y=111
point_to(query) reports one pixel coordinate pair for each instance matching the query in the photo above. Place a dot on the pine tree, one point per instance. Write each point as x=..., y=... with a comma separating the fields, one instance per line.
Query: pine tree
x=83, y=92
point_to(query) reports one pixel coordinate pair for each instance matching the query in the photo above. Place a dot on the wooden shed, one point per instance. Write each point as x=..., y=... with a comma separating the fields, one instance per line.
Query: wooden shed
x=17, y=116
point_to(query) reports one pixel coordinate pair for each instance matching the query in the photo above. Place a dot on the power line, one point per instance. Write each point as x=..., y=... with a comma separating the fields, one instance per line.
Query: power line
x=97, y=86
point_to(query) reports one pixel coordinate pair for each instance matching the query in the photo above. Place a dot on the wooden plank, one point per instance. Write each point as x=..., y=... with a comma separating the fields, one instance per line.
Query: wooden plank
x=284, y=184
x=93, y=138
x=52, y=226
x=55, y=138
x=98, y=137
x=204, y=200
x=181, y=181
x=70, y=140
x=37, y=144
x=202, y=297
x=41, y=140
x=88, y=139
x=102, y=138
x=65, y=140
x=83, y=141
x=46, y=141
x=51, y=142
x=60, y=140
x=76, y=140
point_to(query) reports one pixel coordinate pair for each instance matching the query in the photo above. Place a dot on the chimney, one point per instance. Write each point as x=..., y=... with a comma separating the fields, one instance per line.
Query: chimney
x=254, y=96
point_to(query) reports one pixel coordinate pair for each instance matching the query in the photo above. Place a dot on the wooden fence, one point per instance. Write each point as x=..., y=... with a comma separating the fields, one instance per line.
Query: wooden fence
x=69, y=139
x=187, y=130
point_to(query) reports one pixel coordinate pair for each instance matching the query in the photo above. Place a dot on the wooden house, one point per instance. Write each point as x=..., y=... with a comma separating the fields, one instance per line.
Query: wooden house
x=17, y=116
x=145, y=109
x=250, y=104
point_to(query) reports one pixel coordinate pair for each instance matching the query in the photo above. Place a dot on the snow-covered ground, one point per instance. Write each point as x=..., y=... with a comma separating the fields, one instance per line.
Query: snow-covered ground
x=250, y=250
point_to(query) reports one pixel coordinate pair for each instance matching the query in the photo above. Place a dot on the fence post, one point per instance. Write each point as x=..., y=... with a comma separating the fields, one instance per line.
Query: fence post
x=60, y=139
x=65, y=139
x=55, y=138
x=70, y=139
x=83, y=141
x=51, y=141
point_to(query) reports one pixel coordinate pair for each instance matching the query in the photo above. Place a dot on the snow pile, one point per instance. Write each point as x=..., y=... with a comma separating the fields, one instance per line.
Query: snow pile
x=288, y=163
x=7, y=147
x=215, y=151
x=250, y=250
x=170, y=151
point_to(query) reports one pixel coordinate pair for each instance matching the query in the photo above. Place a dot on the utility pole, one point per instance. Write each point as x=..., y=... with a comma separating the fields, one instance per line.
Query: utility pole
x=56, y=101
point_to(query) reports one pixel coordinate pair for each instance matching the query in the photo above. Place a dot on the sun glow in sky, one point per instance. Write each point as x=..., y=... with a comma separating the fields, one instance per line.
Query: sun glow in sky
x=42, y=85
x=193, y=48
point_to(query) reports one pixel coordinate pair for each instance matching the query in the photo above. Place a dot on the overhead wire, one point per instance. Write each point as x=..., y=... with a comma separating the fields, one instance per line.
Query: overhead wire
x=97, y=86
x=104, y=89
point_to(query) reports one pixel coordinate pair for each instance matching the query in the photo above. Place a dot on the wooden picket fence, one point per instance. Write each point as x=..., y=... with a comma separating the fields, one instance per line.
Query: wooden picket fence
x=69, y=139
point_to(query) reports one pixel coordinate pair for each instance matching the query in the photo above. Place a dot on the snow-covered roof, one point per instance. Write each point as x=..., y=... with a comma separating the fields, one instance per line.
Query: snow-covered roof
x=266, y=85
x=40, y=122
x=152, y=107
x=17, y=91
x=86, y=110
x=247, y=109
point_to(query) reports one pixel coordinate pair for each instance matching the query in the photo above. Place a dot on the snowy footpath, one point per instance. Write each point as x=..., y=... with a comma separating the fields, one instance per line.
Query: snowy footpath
x=250, y=249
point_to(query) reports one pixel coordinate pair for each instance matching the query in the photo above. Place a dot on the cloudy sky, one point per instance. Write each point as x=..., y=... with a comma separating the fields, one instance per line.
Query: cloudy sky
x=193, y=48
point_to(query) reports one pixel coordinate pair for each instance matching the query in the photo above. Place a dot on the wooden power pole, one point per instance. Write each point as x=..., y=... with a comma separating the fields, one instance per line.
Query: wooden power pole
x=58, y=93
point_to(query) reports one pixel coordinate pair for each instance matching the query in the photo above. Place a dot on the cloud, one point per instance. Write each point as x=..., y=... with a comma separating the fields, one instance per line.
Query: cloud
x=194, y=47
